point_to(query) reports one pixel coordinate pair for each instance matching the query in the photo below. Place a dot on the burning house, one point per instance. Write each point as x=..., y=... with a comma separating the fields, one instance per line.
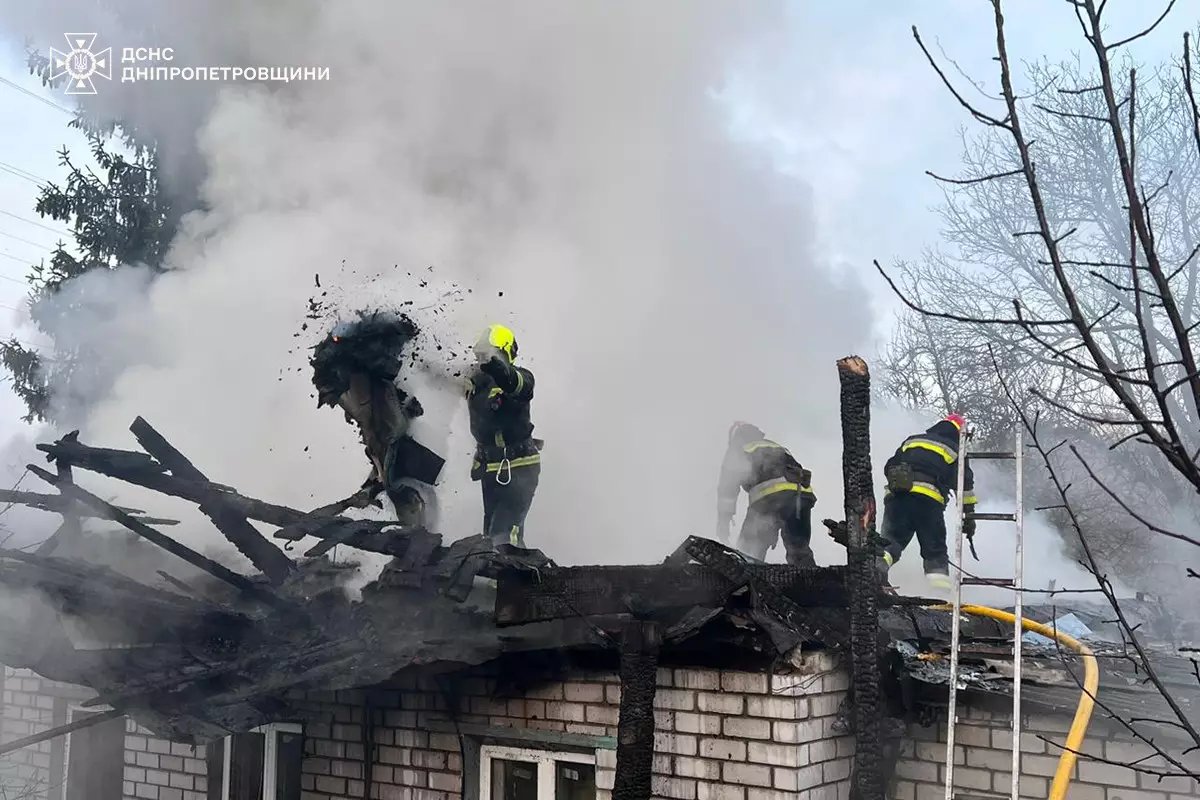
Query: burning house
x=466, y=673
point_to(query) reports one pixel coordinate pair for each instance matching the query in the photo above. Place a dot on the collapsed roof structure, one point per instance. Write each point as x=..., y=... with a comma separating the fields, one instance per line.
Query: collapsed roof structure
x=220, y=653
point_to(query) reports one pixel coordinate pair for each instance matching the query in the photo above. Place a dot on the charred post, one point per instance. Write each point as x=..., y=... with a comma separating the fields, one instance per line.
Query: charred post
x=862, y=578
x=635, y=727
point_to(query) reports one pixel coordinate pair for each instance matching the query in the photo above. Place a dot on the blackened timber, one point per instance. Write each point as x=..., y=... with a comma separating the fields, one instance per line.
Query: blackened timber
x=57, y=504
x=273, y=562
x=553, y=593
x=141, y=470
x=61, y=730
x=175, y=582
x=635, y=725
x=378, y=536
x=72, y=527
x=785, y=622
x=862, y=576
x=110, y=512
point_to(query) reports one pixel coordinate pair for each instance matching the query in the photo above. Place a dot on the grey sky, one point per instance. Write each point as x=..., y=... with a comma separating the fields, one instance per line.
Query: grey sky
x=851, y=108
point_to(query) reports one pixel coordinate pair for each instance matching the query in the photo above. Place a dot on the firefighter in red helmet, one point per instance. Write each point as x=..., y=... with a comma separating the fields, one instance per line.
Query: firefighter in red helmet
x=920, y=476
x=780, y=496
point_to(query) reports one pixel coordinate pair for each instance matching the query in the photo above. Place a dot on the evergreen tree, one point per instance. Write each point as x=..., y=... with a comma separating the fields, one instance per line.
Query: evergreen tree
x=117, y=215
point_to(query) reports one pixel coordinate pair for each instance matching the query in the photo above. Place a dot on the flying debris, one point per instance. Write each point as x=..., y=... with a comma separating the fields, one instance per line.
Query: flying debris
x=357, y=366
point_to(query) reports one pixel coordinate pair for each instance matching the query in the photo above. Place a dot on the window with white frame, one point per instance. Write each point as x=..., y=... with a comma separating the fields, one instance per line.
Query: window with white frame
x=518, y=773
x=261, y=764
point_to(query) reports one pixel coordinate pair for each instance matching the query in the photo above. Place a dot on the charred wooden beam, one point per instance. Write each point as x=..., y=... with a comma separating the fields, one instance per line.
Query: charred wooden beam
x=71, y=530
x=57, y=504
x=141, y=470
x=110, y=512
x=272, y=561
x=635, y=725
x=783, y=619
x=862, y=577
x=61, y=730
x=558, y=592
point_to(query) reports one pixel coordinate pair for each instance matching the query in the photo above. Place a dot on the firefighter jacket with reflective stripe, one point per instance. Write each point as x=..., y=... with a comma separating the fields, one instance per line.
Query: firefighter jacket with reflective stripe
x=761, y=468
x=498, y=398
x=932, y=457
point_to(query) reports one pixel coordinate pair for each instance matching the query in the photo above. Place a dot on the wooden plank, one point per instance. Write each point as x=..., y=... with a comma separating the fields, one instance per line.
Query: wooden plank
x=271, y=560
x=141, y=470
x=110, y=512
x=557, y=592
x=61, y=730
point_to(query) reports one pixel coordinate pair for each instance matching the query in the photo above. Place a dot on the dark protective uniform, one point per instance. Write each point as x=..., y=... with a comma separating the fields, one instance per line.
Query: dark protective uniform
x=507, y=457
x=780, y=497
x=920, y=475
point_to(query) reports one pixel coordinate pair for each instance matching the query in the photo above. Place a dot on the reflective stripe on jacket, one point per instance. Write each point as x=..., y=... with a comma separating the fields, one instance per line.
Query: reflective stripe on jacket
x=932, y=459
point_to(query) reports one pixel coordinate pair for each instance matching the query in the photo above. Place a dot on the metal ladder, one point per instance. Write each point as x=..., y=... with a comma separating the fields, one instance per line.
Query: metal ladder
x=1014, y=583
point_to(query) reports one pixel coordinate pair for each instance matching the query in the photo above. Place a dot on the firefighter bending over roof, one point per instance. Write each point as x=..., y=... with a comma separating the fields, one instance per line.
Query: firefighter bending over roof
x=920, y=475
x=780, y=496
x=507, y=457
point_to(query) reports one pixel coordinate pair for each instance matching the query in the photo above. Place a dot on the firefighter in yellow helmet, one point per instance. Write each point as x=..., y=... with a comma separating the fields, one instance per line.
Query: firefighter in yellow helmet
x=507, y=457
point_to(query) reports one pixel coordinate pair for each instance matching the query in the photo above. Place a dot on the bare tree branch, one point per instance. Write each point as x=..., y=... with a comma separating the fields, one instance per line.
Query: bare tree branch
x=974, y=112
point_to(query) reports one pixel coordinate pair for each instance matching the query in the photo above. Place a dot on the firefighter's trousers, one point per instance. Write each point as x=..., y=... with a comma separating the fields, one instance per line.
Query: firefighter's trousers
x=776, y=516
x=507, y=496
x=908, y=513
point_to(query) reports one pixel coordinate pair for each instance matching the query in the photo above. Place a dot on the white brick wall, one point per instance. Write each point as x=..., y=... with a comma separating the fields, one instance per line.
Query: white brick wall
x=158, y=769
x=719, y=734
x=29, y=706
x=983, y=761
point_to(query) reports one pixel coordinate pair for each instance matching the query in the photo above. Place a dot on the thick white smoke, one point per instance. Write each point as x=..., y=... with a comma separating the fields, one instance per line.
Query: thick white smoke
x=660, y=279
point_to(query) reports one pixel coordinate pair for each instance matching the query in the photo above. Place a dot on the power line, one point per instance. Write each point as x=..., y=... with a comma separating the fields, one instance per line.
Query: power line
x=18, y=259
x=35, y=96
x=22, y=171
x=26, y=241
x=61, y=231
x=16, y=174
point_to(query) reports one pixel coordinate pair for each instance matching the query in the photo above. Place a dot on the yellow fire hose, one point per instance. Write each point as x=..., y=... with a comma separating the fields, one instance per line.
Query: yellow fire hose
x=1083, y=712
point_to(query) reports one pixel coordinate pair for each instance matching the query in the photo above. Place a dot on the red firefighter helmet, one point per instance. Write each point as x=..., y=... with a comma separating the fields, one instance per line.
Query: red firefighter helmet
x=957, y=420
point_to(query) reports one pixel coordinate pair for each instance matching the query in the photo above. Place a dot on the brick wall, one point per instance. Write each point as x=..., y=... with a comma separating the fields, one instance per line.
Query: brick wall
x=158, y=769
x=983, y=761
x=720, y=735
x=33, y=704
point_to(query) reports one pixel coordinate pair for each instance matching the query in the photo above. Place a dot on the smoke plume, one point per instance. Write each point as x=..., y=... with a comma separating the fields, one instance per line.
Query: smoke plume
x=570, y=164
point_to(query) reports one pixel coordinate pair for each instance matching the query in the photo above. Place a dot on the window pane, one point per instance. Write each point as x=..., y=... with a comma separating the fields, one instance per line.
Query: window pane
x=289, y=753
x=514, y=780
x=574, y=781
x=246, y=766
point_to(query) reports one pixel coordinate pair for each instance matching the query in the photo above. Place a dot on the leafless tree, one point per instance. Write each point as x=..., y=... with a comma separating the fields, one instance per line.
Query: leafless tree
x=1090, y=308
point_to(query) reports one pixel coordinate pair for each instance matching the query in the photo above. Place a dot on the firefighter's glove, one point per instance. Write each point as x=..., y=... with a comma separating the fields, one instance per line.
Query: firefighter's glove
x=968, y=528
x=495, y=368
x=837, y=531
